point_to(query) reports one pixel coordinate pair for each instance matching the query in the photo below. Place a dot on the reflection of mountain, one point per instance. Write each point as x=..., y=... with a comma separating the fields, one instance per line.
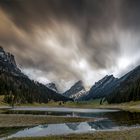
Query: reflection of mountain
x=97, y=125
x=73, y=126
x=44, y=126
x=67, y=128
x=84, y=126
x=103, y=124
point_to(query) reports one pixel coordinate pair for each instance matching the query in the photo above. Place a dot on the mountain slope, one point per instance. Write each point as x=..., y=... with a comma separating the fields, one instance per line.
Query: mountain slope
x=18, y=87
x=52, y=86
x=101, y=88
x=124, y=89
x=8, y=64
x=127, y=88
x=76, y=91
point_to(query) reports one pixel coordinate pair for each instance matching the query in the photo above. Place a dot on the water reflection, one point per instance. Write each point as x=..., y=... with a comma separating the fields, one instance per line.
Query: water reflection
x=63, y=109
x=107, y=119
x=124, y=118
x=94, y=113
x=120, y=117
x=8, y=131
x=65, y=128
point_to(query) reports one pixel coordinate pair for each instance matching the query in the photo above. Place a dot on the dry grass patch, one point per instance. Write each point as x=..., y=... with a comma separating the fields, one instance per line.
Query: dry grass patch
x=14, y=120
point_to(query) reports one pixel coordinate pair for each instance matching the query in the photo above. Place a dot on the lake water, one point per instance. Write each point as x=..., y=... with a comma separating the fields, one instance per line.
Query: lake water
x=105, y=119
x=64, y=128
x=73, y=112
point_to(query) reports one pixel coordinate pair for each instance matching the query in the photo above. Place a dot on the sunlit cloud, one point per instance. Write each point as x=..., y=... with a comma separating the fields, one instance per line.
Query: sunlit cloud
x=64, y=42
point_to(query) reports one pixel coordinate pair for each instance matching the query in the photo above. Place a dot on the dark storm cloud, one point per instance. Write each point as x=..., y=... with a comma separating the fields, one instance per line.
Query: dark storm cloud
x=130, y=10
x=26, y=13
x=70, y=39
x=95, y=13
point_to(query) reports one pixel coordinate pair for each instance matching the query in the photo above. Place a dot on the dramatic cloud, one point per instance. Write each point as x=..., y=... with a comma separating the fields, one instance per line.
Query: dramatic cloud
x=68, y=40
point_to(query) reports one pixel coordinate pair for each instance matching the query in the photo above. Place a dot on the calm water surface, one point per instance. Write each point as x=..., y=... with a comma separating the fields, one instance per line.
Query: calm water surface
x=106, y=119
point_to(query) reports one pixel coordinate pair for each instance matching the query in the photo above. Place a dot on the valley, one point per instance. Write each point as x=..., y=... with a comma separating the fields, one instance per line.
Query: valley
x=32, y=110
x=69, y=70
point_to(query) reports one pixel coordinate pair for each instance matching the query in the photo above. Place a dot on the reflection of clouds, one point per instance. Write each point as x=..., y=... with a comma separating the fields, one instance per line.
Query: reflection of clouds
x=54, y=129
x=66, y=128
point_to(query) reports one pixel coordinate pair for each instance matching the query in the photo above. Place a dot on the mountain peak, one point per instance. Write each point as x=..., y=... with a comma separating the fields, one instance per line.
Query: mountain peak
x=76, y=91
x=7, y=57
x=8, y=63
x=52, y=86
x=24, y=90
x=1, y=49
x=108, y=76
x=103, y=80
x=79, y=83
x=100, y=88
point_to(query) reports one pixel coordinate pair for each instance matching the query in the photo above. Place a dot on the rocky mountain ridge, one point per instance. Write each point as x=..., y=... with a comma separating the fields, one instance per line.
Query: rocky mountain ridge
x=76, y=91
x=13, y=83
x=101, y=88
x=8, y=63
x=52, y=86
x=116, y=90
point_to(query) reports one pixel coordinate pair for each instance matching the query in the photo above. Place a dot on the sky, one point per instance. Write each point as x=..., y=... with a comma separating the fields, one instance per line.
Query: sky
x=64, y=41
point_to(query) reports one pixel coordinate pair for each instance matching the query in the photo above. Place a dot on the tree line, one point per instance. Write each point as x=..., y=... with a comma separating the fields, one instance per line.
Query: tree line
x=19, y=89
x=127, y=92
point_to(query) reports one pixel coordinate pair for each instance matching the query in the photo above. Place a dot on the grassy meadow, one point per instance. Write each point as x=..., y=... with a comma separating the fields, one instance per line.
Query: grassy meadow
x=133, y=106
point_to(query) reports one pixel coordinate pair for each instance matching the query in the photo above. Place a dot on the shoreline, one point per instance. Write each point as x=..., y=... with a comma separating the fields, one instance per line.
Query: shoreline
x=26, y=120
x=133, y=106
x=20, y=120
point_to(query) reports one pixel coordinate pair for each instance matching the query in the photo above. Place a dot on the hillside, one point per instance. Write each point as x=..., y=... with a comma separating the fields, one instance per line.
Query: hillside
x=127, y=88
x=18, y=88
x=116, y=90
x=76, y=91
x=101, y=88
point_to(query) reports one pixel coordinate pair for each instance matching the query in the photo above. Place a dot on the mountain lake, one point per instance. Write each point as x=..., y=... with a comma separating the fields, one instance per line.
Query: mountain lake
x=104, y=120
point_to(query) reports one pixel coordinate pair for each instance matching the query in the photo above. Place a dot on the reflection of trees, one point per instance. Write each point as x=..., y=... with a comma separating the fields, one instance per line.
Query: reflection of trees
x=8, y=131
x=33, y=112
x=44, y=125
x=124, y=117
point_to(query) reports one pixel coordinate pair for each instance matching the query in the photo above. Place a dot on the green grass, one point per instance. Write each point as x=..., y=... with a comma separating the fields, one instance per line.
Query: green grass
x=133, y=106
x=82, y=104
x=1, y=101
x=133, y=134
